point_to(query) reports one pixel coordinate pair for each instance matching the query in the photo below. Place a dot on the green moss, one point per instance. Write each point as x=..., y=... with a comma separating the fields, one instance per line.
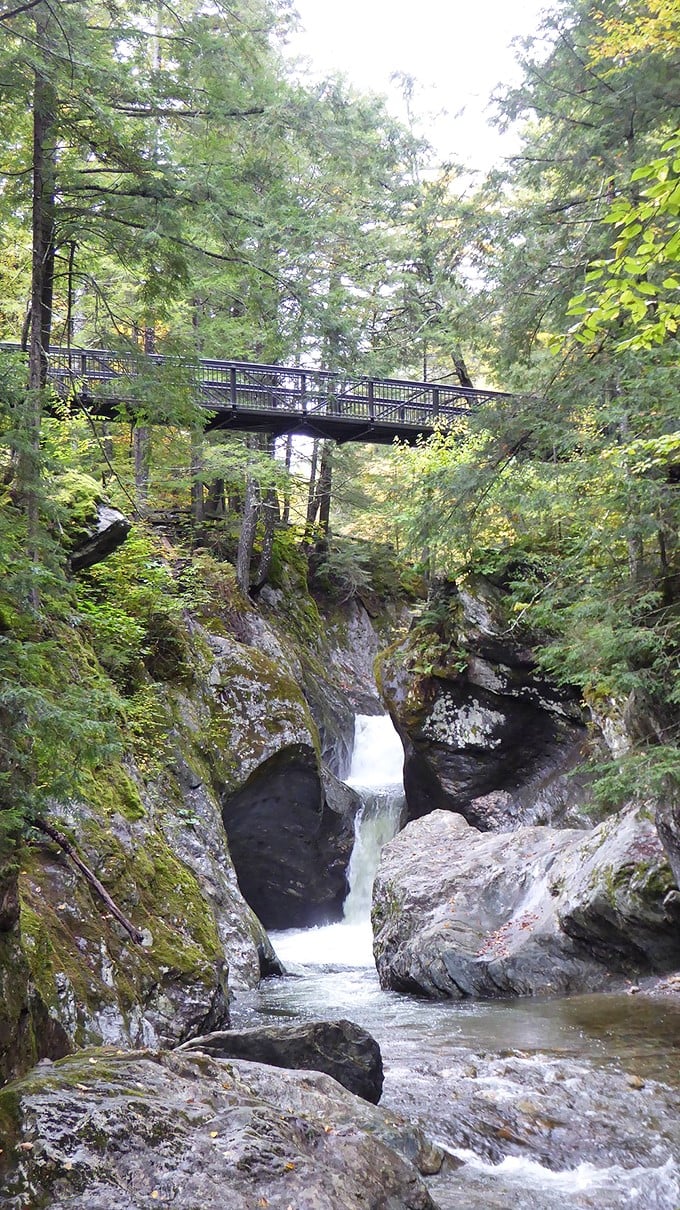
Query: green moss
x=63, y=939
x=10, y=1126
x=112, y=791
x=77, y=496
x=652, y=879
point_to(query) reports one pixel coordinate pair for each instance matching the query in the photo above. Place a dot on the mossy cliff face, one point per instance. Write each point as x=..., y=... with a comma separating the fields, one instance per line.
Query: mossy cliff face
x=219, y=731
x=93, y=980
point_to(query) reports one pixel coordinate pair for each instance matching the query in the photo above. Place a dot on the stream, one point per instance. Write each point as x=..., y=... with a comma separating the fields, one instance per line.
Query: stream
x=539, y=1104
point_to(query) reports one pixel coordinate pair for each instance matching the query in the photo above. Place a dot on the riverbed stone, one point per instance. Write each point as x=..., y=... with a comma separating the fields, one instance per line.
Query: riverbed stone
x=121, y=1132
x=539, y=911
x=339, y=1048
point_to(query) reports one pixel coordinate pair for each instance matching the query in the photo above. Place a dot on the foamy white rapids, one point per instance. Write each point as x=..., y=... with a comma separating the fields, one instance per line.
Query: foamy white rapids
x=378, y=756
x=643, y=1188
x=332, y=945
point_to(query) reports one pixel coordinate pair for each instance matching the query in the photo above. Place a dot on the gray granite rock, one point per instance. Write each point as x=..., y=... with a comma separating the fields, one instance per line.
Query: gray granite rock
x=339, y=1048
x=122, y=1132
x=538, y=911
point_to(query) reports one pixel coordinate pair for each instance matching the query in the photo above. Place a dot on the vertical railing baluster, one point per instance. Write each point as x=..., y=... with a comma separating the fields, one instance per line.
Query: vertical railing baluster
x=232, y=385
x=371, y=402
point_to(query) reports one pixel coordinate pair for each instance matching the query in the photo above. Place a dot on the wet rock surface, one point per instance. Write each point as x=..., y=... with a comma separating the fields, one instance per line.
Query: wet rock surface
x=539, y=911
x=558, y=1112
x=341, y=1049
x=120, y=1132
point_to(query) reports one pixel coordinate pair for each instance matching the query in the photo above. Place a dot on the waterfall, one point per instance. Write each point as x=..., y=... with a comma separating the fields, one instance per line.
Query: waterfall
x=376, y=775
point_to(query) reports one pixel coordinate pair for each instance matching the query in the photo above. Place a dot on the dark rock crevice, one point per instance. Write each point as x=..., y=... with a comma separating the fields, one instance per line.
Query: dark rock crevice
x=289, y=847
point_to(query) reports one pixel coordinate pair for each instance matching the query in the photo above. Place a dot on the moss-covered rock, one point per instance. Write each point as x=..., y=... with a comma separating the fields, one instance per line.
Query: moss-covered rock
x=92, y=529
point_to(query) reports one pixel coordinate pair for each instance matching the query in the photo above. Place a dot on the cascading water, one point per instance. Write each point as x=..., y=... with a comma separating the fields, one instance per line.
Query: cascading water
x=376, y=775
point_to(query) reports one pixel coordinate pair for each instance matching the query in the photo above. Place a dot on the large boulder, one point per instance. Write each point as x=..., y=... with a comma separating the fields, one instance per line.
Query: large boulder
x=339, y=1048
x=538, y=911
x=118, y=1132
x=484, y=733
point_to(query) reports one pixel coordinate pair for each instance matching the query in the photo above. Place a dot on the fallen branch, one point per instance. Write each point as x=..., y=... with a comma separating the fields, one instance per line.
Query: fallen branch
x=65, y=844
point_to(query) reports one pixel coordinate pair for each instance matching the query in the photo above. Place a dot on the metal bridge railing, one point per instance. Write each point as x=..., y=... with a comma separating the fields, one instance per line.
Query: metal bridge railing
x=222, y=386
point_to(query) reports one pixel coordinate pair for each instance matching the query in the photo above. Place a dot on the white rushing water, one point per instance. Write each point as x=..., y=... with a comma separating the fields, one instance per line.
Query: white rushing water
x=376, y=773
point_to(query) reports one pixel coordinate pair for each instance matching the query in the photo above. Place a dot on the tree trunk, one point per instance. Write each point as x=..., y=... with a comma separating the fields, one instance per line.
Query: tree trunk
x=325, y=489
x=141, y=447
x=216, y=504
x=461, y=370
x=270, y=514
x=141, y=442
x=246, y=536
x=312, y=506
x=42, y=282
x=286, y=498
x=197, y=502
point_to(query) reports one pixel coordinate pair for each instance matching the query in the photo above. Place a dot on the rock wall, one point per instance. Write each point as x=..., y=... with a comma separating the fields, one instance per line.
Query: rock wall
x=484, y=734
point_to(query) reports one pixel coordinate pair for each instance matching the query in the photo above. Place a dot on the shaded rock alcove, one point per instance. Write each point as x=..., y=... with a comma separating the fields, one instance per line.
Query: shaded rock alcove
x=290, y=848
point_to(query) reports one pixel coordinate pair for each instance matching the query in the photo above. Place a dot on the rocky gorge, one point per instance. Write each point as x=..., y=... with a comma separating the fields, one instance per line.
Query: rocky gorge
x=232, y=819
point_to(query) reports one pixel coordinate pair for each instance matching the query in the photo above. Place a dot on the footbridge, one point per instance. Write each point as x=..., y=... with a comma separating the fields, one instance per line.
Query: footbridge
x=247, y=396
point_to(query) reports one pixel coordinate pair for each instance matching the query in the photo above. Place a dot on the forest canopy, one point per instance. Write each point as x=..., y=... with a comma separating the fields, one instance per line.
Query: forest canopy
x=169, y=183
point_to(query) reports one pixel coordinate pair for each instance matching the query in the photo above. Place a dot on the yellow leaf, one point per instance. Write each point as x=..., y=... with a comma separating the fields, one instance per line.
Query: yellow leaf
x=213, y=1134
x=288, y=1167
x=155, y=1195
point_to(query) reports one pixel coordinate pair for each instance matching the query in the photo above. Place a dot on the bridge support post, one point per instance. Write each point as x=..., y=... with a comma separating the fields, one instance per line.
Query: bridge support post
x=232, y=386
x=371, y=400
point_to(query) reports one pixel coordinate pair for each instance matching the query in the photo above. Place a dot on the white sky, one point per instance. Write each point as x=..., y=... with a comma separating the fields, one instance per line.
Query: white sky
x=457, y=50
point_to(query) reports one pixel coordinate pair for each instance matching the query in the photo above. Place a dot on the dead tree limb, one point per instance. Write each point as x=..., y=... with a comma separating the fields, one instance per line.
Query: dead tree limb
x=59, y=839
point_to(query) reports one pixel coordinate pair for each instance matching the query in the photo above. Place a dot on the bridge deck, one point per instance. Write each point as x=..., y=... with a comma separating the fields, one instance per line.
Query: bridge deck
x=247, y=396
